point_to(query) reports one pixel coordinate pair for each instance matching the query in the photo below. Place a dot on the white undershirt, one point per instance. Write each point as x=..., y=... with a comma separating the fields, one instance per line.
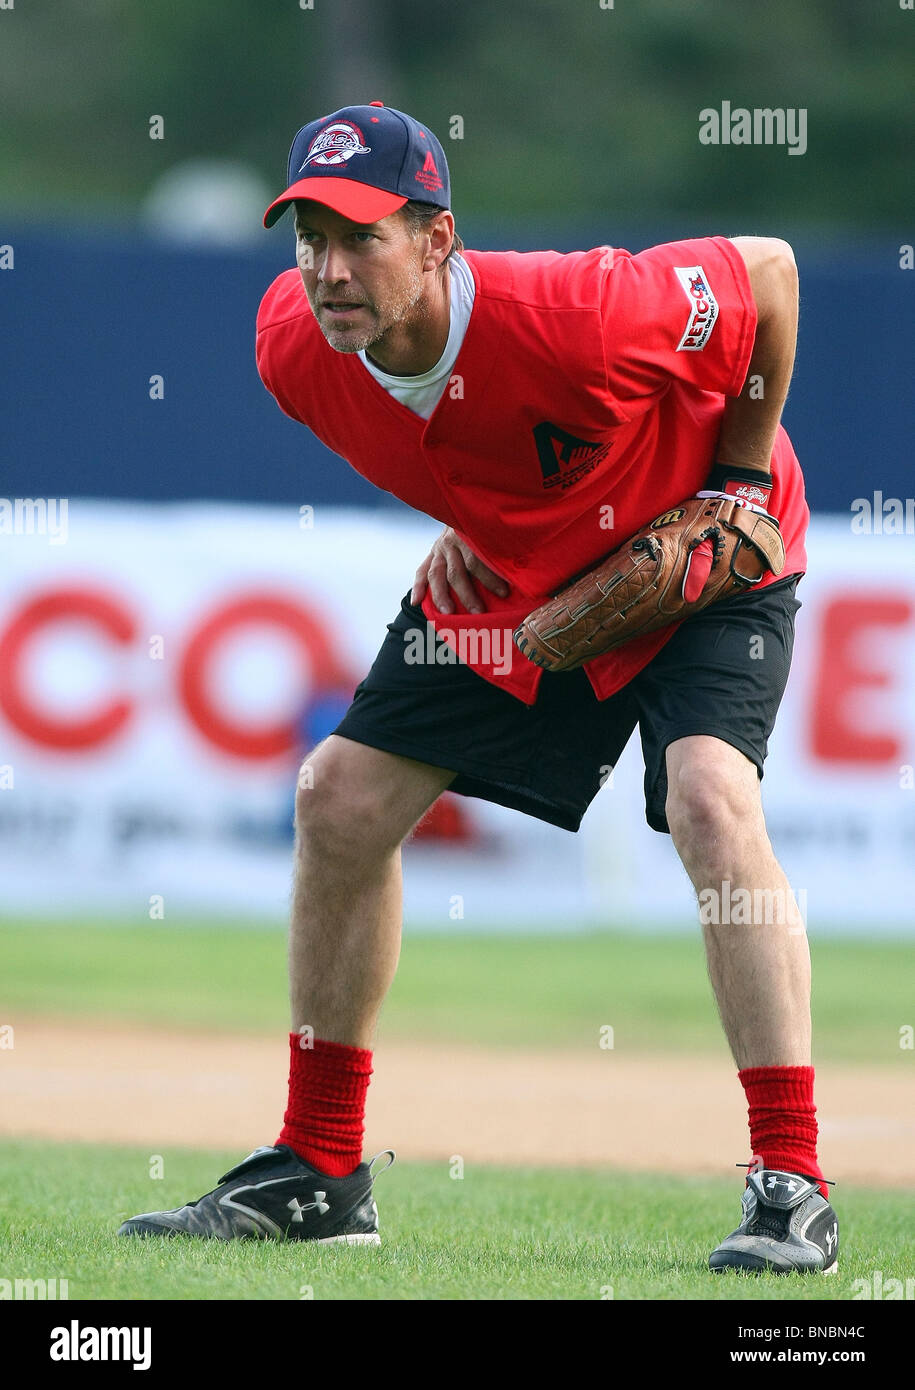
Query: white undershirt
x=422, y=393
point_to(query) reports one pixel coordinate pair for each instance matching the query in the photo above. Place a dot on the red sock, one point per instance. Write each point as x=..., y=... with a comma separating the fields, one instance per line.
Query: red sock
x=783, y=1127
x=325, y=1119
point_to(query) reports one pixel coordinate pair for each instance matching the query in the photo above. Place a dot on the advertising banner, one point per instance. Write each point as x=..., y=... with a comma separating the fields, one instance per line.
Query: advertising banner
x=164, y=670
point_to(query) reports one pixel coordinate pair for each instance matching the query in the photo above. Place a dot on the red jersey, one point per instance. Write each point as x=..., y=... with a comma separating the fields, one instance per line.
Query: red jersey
x=586, y=399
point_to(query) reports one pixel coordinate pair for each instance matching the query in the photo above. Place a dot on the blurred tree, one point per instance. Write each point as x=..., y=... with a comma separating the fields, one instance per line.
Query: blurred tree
x=570, y=111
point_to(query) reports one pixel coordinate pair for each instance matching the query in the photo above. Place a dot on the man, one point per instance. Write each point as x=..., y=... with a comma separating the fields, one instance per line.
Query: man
x=544, y=407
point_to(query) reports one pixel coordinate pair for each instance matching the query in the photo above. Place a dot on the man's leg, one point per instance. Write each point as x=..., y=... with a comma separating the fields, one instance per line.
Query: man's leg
x=354, y=808
x=355, y=805
x=761, y=976
x=760, y=973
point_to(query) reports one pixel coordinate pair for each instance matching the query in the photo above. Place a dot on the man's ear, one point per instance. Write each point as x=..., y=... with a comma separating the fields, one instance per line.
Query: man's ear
x=441, y=235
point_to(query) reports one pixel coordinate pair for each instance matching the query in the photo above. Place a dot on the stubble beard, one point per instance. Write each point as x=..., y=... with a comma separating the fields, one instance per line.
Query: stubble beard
x=343, y=338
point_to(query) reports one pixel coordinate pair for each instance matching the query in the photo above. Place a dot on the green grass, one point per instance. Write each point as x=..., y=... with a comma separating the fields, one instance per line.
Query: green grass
x=495, y=990
x=495, y=1234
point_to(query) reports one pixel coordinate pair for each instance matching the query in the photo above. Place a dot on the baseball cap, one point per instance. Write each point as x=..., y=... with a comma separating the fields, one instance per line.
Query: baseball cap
x=365, y=162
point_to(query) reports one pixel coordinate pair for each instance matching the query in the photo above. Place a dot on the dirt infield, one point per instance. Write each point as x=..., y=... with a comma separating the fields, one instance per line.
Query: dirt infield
x=120, y=1084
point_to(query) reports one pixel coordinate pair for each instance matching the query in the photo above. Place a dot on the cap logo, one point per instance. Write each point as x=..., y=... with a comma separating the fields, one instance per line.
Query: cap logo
x=335, y=144
x=428, y=175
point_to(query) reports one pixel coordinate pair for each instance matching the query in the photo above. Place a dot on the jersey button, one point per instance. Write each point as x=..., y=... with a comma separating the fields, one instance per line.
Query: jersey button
x=521, y=562
x=455, y=477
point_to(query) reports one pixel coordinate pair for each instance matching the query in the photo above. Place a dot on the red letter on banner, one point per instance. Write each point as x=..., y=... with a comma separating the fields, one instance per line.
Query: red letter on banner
x=60, y=606
x=309, y=635
x=842, y=672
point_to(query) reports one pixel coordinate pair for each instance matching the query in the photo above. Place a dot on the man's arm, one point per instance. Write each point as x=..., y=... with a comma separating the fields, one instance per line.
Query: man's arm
x=748, y=428
x=749, y=425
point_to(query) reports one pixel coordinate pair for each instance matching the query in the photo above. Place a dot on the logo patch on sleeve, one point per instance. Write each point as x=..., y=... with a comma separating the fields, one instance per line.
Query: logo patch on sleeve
x=703, y=307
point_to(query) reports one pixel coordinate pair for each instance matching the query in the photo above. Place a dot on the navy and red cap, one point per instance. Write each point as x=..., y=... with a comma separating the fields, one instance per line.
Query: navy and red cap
x=365, y=162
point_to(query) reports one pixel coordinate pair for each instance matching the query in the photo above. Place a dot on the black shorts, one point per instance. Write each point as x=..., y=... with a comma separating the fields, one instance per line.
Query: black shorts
x=722, y=673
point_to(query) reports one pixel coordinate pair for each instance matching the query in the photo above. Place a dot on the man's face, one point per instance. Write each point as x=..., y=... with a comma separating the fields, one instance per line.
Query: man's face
x=360, y=278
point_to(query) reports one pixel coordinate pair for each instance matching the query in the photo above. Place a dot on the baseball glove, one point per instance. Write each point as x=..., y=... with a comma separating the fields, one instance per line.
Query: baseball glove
x=708, y=548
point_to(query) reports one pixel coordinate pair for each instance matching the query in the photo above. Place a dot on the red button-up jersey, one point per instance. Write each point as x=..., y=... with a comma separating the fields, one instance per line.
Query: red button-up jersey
x=586, y=399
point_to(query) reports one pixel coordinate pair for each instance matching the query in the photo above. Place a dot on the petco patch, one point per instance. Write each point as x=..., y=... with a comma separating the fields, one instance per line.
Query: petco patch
x=703, y=307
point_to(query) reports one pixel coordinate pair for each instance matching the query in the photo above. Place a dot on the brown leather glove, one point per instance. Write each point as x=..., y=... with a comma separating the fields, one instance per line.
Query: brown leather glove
x=707, y=548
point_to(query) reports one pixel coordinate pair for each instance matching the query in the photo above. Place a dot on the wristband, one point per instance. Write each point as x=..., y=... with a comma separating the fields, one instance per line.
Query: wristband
x=738, y=501
x=745, y=484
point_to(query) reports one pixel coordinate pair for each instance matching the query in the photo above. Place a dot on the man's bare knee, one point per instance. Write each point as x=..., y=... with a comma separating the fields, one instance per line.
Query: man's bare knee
x=354, y=799
x=713, y=796
x=338, y=810
x=697, y=811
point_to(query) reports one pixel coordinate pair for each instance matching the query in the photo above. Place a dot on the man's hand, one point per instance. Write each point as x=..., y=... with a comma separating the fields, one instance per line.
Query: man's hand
x=449, y=564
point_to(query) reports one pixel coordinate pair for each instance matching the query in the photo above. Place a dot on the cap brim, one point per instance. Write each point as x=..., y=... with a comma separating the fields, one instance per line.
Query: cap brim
x=357, y=201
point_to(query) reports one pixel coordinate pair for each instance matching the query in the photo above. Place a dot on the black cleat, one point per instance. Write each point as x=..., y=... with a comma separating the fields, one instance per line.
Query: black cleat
x=275, y=1195
x=788, y=1227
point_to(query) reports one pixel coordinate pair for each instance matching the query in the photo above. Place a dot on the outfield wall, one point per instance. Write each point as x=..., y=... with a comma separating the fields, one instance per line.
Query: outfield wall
x=131, y=365
x=164, y=668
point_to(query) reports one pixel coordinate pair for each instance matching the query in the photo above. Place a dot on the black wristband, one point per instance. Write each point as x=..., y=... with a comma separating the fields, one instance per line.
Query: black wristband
x=724, y=473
